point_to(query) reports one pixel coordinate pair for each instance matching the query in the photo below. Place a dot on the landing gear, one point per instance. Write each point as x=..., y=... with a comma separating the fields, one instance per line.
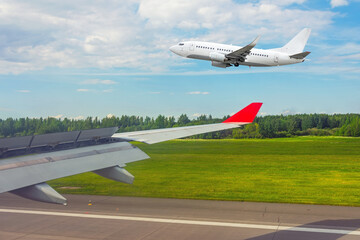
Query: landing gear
x=236, y=64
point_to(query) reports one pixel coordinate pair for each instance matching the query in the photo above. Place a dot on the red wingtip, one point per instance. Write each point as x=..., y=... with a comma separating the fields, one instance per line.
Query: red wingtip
x=246, y=115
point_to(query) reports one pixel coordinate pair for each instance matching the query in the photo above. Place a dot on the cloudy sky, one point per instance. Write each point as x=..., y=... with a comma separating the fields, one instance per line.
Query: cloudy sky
x=94, y=58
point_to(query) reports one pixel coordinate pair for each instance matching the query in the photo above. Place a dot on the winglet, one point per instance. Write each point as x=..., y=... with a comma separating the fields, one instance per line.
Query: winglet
x=253, y=43
x=246, y=115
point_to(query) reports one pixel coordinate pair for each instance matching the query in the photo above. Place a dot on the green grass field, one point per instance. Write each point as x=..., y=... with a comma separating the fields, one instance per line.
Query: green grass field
x=315, y=170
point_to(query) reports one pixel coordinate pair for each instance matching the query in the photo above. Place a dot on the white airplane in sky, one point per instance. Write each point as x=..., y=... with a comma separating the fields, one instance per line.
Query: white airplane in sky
x=222, y=55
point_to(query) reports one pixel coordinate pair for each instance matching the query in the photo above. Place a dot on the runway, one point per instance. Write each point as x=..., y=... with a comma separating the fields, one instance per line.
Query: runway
x=103, y=217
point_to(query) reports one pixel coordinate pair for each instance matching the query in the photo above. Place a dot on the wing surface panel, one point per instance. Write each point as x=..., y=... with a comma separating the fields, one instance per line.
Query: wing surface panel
x=165, y=134
x=28, y=170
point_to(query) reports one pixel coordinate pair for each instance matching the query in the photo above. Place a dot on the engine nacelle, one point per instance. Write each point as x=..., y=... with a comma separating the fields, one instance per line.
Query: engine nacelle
x=219, y=64
x=218, y=57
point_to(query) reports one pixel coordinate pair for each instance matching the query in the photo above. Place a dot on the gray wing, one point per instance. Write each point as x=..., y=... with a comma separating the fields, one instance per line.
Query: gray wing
x=165, y=134
x=243, y=52
x=244, y=116
x=97, y=150
x=33, y=160
x=26, y=175
x=25, y=172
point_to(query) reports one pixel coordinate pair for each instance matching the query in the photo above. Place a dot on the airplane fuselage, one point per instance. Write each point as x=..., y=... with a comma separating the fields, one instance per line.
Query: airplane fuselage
x=216, y=53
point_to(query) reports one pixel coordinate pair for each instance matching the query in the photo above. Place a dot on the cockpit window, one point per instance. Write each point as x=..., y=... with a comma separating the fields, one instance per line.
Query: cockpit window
x=181, y=44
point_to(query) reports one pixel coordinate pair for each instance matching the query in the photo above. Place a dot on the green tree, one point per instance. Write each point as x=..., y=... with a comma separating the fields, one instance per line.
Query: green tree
x=183, y=120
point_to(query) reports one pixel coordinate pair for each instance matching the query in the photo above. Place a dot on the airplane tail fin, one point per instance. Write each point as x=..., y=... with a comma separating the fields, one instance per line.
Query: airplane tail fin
x=297, y=44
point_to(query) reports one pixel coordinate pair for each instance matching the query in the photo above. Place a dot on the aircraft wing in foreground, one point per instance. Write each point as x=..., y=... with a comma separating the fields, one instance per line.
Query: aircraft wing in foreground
x=28, y=162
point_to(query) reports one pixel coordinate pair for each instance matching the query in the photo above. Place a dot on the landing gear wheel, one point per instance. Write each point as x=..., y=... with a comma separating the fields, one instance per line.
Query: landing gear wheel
x=236, y=64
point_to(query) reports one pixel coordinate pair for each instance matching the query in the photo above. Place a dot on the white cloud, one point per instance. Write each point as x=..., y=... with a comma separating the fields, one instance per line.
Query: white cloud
x=262, y=114
x=346, y=54
x=219, y=19
x=289, y=112
x=284, y=2
x=61, y=116
x=338, y=3
x=355, y=56
x=347, y=48
x=23, y=91
x=94, y=90
x=198, y=115
x=110, y=115
x=107, y=90
x=198, y=93
x=98, y=81
x=154, y=92
x=78, y=117
x=82, y=90
x=5, y=109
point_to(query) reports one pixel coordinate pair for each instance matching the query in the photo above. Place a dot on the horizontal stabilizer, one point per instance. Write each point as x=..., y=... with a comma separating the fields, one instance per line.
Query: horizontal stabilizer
x=40, y=192
x=300, y=55
x=116, y=173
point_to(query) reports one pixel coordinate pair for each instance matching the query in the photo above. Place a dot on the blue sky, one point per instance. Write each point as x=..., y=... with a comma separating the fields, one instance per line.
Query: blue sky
x=94, y=58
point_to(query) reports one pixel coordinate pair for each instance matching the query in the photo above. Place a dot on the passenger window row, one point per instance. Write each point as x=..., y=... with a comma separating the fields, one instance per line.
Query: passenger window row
x=227, y=50
x=205, y=47
x=260, y=55
x=218, y=49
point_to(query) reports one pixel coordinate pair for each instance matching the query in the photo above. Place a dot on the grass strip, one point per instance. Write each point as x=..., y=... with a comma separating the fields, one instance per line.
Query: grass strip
x=311, y=170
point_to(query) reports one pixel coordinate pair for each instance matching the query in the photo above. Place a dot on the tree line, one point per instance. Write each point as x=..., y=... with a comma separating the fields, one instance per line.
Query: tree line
x=272, y=126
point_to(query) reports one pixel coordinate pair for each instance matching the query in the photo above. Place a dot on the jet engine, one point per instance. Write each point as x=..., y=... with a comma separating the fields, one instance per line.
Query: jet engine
x=218, y=57
x=220, y=64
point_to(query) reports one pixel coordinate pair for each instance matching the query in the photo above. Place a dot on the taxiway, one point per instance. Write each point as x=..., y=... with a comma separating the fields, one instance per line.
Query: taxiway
x=104, y=217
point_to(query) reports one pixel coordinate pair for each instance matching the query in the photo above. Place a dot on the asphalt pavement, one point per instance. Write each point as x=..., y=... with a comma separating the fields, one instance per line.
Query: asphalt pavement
x=104, y=217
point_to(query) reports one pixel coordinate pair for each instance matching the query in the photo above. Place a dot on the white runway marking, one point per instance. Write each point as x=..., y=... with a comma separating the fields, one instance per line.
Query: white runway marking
x=190, y=222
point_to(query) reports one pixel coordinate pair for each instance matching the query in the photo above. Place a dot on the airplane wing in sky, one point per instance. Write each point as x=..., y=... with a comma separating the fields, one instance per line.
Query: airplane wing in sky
x=28, y=162
x=243, y=52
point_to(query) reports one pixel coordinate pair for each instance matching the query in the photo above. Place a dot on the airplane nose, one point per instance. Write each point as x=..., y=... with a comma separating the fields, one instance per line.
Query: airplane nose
x=172, y=48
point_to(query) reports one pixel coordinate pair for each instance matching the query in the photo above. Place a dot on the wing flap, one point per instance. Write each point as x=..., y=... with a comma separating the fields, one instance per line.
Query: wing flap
x=28, y=170
x=28, y=143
